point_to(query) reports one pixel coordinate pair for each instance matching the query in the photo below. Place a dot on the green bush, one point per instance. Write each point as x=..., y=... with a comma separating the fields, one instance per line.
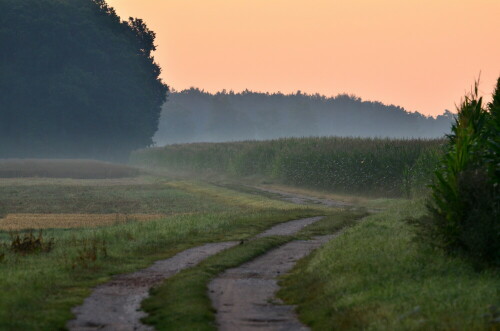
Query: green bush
x=464, y=212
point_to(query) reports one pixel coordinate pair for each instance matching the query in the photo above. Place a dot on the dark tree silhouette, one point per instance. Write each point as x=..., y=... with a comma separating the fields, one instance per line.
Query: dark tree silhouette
x=75, y=80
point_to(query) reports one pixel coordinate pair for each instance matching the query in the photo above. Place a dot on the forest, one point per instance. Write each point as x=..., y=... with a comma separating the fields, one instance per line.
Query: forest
x=194, y=115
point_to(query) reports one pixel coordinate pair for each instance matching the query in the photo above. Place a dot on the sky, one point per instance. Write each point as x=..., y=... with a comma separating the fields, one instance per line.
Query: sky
x=423, y=55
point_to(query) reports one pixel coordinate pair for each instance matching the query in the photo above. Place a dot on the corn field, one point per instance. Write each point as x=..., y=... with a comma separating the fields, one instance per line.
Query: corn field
x=382, y=167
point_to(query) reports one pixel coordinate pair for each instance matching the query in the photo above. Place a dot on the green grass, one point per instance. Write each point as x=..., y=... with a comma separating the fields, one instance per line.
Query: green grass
x=182, y=302
x=382, y=167
x=39, y=290
x=375, y=277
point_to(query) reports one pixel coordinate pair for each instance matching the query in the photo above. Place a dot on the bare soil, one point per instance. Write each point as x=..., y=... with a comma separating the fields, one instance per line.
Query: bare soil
x=244, y=297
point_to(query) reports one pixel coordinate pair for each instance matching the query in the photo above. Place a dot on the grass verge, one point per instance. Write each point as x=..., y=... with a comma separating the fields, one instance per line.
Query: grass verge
x=376, y=277
x=182, y=302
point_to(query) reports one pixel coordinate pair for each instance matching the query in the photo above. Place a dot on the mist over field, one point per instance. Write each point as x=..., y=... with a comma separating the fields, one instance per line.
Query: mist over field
x=197, y=116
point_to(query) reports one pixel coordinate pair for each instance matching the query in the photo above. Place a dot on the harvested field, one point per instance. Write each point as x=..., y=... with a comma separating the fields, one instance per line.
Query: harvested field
x=16, y=222
x=91, y=198
x=80, y=169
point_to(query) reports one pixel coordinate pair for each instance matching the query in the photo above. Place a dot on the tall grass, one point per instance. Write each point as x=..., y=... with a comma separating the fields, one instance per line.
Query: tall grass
x=388, y=167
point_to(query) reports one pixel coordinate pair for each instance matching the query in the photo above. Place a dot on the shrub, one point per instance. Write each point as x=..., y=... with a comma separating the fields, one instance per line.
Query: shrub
x=464, y=212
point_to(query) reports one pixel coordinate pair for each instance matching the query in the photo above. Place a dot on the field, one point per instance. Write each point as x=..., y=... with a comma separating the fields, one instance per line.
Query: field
x=375, y=167
x=80, y=197
x=39, y=288
x=374, y=276
x=84, y=169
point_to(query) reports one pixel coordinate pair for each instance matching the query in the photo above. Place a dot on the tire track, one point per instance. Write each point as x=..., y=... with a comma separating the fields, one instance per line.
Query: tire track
x=244, y=297
x=116, y=304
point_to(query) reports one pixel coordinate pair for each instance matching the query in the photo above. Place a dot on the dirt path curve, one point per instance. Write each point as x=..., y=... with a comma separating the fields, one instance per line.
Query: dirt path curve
x=303, y=199
x=244, y=297
x=116, y=305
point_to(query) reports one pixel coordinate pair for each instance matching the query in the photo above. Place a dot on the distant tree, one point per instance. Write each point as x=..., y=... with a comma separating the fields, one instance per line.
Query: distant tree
x=252, y=115
x=226, y=122
x=177, y=125
x=302, y=118
x=75, y=80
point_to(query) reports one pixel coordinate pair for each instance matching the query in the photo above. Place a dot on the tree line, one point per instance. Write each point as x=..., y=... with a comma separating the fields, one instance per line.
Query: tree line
x=75, y=80
x=194, y=115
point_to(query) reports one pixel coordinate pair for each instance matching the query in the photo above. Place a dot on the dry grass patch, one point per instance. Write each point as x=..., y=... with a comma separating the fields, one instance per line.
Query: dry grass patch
x=16, y=222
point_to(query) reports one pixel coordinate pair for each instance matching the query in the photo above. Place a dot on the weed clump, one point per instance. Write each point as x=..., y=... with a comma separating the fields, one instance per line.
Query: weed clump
x=28, y=243
x=88, y=254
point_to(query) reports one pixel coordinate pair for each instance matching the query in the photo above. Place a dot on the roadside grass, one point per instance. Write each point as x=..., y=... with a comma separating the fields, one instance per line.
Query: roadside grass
x=376, y=277
x=336, y=221
x=39, y=290
x=182, y=301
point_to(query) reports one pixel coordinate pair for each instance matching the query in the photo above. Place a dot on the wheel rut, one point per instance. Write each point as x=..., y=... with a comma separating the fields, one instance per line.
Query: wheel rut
x=115, y=305
x=244, y=297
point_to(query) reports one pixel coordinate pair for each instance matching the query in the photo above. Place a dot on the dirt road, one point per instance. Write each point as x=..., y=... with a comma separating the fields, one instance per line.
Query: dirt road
x=303, y=199
x=116, y=305
x=244, y=297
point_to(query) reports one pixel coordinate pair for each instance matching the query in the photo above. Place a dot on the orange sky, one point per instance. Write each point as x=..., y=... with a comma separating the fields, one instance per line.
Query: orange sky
x=419, y=54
